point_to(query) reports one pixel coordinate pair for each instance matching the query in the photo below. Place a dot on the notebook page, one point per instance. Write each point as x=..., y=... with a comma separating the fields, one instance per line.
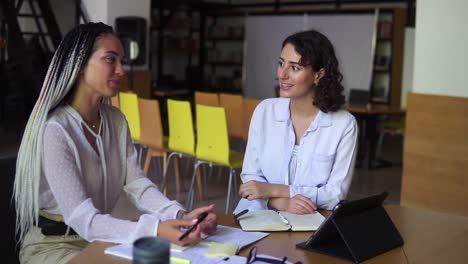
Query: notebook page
x=306, y=222
x=262, y=220
x=227, y=234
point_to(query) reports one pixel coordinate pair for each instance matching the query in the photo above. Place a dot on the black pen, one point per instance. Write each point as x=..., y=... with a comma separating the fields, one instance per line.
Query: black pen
x=201, y=217
x=241, y=214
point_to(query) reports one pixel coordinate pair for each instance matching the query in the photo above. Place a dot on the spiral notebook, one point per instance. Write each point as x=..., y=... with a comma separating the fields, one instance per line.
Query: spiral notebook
x=269, y=220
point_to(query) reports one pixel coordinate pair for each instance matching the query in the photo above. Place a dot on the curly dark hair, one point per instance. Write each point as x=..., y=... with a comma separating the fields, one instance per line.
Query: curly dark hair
x=318, y=52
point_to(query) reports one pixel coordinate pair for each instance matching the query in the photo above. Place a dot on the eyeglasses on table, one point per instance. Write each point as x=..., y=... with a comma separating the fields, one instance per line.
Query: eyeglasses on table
x=252, y=258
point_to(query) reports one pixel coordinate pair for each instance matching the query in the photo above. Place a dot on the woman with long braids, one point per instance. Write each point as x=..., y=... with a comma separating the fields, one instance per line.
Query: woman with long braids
x=301, y=147
x=76, y=157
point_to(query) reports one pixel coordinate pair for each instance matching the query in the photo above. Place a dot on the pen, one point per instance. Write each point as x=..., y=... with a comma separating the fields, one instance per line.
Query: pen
x=241, y=213
x=201, y=217
x=316, y=194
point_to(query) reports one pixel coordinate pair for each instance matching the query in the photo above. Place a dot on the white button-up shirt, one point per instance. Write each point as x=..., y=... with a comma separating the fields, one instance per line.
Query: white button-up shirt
x=325, y=159
x=84, y=185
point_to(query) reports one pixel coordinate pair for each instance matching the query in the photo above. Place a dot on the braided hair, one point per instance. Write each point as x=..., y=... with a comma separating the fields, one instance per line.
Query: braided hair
x=60, y=82
x=318, y=52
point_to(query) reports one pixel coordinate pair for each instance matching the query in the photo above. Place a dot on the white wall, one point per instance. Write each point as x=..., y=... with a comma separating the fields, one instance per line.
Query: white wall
x=96, y=10
x=351, y=35
x=441, y=48
x=408, y=65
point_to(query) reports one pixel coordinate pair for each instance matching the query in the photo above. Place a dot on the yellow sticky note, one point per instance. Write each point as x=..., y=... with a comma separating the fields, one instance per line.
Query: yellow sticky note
x=222, y=250
x=180, y=260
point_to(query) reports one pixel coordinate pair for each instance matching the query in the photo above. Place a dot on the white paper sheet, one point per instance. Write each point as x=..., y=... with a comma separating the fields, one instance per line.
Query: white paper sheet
x=196, y=253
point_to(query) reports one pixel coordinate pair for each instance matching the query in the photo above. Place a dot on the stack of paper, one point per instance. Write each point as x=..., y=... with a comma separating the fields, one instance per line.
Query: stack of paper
x=234, y=239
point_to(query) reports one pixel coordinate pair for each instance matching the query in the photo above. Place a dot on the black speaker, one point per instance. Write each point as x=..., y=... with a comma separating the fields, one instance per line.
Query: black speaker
x=130, y=28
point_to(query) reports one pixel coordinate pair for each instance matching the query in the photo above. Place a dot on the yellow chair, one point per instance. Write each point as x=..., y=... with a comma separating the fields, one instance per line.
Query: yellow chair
x=181, y=136
x=248, y=106
x=206, y=98
x=129, y=107
x=234, y=112
x=152, y=135
x=213, y=147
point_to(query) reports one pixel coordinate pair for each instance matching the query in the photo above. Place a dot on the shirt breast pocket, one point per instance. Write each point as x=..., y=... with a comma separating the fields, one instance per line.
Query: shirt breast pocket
x=322, y=166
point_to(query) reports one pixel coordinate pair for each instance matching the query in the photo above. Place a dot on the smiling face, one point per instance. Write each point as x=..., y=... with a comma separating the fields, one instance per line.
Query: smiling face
x=295, y=80
x=103, y=71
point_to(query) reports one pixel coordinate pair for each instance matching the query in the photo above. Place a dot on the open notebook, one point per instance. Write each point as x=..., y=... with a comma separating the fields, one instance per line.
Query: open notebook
x=269, y=220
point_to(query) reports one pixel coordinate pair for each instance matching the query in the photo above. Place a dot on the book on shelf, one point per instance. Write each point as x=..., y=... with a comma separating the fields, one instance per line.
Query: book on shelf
x=270, y=220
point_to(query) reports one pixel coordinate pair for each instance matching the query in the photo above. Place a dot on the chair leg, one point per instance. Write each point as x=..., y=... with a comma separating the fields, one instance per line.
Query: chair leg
x=220, y=171
x=187, y=167
x=236, y=185
x=199, y=185
x=177, y=173
x=164, y=179
x=149, y=156
x=189, y=203
x=205, y=182
x=378, y=153
x=164, y=169
x=228, y=198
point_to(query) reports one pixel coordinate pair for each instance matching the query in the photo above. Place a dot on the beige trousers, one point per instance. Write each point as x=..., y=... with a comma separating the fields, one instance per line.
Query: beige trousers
x=40, y=249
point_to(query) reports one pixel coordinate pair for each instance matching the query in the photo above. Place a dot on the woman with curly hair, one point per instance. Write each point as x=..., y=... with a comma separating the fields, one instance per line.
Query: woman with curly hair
x=301, y=148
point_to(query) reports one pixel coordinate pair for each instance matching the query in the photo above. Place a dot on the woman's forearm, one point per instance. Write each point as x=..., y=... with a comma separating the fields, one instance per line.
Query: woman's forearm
x=279, y=191
x=280, y=204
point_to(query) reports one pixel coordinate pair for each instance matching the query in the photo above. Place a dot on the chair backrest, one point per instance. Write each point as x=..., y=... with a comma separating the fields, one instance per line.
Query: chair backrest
x=206, y=98
x=151, y=132
x=181, y=135
x=129, y=107
x=234, y=112
x=248, y=106
x=115, y=101
x=212, y=134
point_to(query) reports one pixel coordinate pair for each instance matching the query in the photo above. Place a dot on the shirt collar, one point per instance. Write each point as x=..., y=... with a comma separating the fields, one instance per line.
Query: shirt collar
x=73, y=112
x=321, y=120
x=282, y=114
x=281, y=108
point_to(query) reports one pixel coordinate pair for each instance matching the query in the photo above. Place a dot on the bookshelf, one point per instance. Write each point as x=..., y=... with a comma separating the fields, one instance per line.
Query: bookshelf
x=175, y=46
x=224, y=44
x=388, y=59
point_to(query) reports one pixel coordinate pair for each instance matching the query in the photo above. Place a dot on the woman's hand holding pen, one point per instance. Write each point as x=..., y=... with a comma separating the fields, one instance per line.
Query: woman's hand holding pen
x=209, y=225
x=171, y=230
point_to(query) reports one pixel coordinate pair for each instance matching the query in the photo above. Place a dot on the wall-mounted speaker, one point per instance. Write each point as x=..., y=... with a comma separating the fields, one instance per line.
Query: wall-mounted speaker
x=131, y=29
